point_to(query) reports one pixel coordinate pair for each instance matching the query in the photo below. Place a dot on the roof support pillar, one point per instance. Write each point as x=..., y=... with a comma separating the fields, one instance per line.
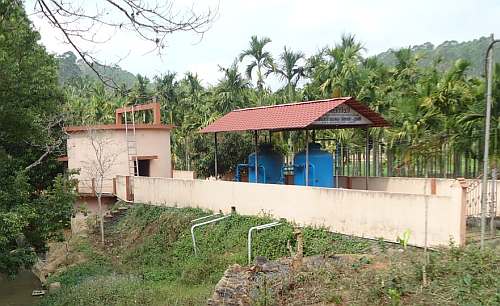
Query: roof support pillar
x=307, y=157
x=256, y=138
x=367, y=158
x=215, y=159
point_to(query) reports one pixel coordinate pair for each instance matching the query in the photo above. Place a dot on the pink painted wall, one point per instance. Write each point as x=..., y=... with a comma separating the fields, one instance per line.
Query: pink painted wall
x=149, y=142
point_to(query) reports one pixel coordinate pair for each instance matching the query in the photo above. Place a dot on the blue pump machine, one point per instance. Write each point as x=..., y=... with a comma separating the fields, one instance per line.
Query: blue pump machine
x=269, y=167
x=321, y=164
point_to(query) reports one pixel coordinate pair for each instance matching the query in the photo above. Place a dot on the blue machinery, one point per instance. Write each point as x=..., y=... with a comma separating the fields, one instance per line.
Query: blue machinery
x=271, y=169
x=321, y=165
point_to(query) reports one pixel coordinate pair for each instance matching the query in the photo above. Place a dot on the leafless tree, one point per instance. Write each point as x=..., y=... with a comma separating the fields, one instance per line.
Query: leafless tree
x=50, y=139
x=153, y=21
x=98, y=166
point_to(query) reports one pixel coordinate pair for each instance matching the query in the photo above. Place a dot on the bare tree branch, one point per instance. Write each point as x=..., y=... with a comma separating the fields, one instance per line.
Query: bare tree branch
x=151, y=21
x=51, y=142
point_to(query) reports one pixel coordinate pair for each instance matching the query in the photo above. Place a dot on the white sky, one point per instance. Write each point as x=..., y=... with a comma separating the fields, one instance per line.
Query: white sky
x=305, y=25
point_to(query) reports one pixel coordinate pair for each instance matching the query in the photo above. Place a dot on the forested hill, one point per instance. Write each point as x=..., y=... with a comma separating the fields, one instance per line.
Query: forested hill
x=70, y=67
x=448, y=52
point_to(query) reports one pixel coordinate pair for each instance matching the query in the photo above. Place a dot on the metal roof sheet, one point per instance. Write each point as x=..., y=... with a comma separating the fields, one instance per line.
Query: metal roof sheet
x=291, y=116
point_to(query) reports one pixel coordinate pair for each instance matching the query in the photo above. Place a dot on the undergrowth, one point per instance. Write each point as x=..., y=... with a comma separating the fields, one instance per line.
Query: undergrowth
x=455, y=276
x=165, y=250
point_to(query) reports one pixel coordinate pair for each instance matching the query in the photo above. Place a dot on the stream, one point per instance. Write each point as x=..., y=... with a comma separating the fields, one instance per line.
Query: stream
x=17, y=291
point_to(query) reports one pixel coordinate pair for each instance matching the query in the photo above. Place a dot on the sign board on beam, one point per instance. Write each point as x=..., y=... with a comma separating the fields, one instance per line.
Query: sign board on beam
x=342, y=115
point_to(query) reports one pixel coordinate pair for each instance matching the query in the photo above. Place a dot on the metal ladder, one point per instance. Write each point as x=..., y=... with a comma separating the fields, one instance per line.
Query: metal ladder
x=133, y=163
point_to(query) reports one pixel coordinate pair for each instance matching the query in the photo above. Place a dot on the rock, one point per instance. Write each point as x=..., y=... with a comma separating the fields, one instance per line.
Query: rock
x=53, y=287
x=232, y=289
x=260, y=260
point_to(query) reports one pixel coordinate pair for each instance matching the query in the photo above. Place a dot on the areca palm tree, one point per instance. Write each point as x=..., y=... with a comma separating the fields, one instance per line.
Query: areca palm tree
x=232, y=90
x=260, y=59
x=338, y=73
x=289, y=70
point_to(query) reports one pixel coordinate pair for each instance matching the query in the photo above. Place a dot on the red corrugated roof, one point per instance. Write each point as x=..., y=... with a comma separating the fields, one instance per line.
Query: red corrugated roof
x=289, y=116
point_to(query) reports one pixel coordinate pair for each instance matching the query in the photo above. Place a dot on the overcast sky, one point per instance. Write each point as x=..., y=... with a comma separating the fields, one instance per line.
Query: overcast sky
x=305, y=25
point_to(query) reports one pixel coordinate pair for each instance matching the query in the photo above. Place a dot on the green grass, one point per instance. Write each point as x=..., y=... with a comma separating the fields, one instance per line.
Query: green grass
x=116, y=289
x=154, y=263
x=168, y=254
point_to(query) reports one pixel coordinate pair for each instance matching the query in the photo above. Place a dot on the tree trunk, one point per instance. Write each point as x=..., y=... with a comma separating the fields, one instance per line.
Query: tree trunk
x=101, y=217
x=474, y=167
x=359, y=164
x=457, y=167
x=390, y=157
x=348, y=161
x=466, y=170
x=440, y=163
x=376, y=171
x=186, y=141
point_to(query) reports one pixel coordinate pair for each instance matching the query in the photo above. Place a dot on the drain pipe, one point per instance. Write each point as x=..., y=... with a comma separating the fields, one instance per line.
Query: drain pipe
x=206, y=217
x=201, y=224
x=258, y=227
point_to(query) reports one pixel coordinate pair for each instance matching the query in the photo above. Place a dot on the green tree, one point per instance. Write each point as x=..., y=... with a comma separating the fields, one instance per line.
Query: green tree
x=34, y=204
x=290, y=71
x=232, y=90
x=260, y=60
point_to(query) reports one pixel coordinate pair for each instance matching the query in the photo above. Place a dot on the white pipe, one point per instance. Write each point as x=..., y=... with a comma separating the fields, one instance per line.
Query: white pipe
x=206, y=217
x=256, y=159
x=258, y=227
x=200, y=224
x=307, y=158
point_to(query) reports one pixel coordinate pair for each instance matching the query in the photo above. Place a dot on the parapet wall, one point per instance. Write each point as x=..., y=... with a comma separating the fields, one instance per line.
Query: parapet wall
x=182, y=174
x=412, y=185
x=370, y=214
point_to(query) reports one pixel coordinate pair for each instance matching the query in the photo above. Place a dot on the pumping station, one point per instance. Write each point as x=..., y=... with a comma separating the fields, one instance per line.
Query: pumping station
x=312, y=166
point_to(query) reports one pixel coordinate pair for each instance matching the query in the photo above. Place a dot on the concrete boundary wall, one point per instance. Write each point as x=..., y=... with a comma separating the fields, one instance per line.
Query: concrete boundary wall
x=412, y=185
x=370, y=214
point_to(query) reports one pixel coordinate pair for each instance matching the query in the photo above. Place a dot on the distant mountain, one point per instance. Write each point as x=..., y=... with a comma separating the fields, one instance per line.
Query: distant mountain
x=70, y=67
x=449, y=51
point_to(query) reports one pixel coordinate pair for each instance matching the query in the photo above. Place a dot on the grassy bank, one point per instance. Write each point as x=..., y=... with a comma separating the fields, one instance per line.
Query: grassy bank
x=149, y=260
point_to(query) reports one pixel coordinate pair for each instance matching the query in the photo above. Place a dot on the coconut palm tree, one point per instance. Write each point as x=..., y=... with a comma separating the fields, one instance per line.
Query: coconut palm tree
x=260, y=60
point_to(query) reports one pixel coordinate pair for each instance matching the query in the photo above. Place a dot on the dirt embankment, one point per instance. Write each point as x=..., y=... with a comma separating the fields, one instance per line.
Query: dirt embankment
x=64, y=254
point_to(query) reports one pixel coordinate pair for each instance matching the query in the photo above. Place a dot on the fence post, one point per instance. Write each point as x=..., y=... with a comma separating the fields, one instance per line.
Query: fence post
x=463, y=211
x=114, y=185
x=493, y=202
